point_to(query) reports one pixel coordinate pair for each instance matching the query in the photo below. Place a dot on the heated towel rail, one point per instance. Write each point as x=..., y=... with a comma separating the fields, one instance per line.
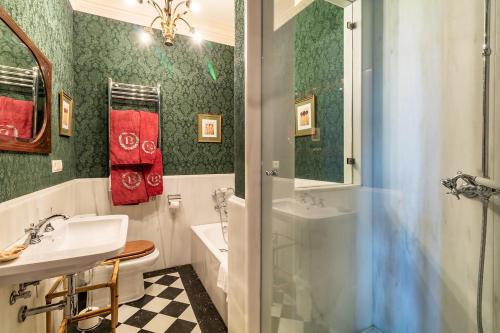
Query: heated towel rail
x=133, y=93
x=25, y=79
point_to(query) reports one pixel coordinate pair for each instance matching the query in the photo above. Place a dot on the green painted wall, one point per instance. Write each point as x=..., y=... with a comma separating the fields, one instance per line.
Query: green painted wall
x=319, y=71
x=108, y=48
x=49, y=24
x=239, y=99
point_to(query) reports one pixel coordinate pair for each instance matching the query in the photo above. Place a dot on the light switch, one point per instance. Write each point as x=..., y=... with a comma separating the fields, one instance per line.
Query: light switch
x=57, y=166
x=276, y=164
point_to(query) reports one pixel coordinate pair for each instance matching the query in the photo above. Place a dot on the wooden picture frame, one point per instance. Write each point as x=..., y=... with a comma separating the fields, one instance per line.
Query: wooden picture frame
x=209, y=128
x=65, y=114
x=305, y=116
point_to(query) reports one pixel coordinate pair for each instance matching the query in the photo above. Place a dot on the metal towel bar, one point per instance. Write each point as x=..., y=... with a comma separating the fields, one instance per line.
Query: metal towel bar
x=24, y=78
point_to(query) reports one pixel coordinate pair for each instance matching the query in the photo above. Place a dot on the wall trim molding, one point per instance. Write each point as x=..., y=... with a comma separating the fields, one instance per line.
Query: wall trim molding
x=72, y=182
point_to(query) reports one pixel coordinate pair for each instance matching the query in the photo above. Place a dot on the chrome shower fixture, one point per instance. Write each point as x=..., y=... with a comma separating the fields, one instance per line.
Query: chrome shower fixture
x=220, y=197
x=471, y=187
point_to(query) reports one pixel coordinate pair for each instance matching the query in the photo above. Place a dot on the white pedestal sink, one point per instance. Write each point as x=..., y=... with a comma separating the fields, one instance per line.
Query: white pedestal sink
x=291, y=210
x=75, y=245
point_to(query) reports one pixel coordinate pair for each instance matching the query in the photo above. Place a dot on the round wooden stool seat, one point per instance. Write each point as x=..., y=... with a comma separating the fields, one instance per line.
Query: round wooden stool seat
x=136, y=249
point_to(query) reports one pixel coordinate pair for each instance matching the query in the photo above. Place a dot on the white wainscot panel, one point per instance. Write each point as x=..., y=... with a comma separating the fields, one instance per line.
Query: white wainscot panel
x=170, y=230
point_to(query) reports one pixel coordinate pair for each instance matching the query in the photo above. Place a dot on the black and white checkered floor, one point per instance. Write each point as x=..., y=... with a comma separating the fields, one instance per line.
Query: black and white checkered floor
x=175, y=302
x=285, y=317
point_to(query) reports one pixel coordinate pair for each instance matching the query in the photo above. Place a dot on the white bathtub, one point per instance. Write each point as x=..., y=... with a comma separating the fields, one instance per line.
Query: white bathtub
x=206, y=257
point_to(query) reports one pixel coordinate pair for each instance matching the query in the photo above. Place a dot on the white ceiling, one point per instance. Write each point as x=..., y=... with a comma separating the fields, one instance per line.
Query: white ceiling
x=215, y=20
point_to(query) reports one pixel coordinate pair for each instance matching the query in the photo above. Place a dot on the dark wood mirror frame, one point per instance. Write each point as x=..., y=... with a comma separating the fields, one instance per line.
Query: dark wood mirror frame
x=42, y=143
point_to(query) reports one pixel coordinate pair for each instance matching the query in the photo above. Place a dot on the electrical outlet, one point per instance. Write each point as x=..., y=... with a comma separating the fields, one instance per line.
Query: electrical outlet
x=57, y=166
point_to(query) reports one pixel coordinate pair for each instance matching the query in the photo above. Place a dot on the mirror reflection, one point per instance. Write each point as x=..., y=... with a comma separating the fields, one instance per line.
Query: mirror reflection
x=321, y=112
x=22, y=92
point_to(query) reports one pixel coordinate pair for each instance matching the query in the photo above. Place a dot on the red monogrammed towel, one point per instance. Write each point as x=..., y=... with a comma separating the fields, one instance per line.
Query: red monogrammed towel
x=124, y=138
x=154, y=175
x=16, y=118
x=128, y=186
x=149, y=136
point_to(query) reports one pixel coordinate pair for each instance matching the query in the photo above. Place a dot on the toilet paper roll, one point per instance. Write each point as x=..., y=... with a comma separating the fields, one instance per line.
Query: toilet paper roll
x=174, y=204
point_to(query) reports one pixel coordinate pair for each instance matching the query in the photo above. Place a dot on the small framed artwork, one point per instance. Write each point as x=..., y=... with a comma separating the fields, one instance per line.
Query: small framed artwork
x=209, y=128
x=305, y=116
x=65, y=114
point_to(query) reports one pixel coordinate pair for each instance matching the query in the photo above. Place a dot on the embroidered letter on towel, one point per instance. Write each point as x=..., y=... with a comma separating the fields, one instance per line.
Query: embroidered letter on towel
x=148, y=137
x=16, y=118
x=125, y=137
x=128, y=186
x=154, y=175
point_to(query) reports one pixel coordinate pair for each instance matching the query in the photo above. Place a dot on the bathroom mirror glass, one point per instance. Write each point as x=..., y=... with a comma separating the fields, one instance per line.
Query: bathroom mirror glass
x=323, y=92
x=24, y=91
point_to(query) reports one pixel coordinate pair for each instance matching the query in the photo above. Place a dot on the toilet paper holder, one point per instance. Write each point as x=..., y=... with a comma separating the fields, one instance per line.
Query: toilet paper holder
x=174, y=198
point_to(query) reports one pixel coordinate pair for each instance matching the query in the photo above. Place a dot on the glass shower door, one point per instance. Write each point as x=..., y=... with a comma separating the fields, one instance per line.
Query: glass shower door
x=316, y=260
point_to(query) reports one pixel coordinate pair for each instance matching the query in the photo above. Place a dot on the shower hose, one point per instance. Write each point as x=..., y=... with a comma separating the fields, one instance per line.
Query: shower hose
x=480, y=279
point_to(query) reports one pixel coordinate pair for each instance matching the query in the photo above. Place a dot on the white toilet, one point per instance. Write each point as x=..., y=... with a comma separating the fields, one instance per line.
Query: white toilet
x=137, y=258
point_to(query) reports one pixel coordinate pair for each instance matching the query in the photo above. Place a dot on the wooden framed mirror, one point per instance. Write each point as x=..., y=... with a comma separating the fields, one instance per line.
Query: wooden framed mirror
x=25, y=91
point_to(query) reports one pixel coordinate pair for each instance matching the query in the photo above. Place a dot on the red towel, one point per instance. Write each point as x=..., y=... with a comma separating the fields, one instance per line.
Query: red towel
x=149, y=136
x=154, y=175
x=128, y=186
x=16, y=118
x=124, y=137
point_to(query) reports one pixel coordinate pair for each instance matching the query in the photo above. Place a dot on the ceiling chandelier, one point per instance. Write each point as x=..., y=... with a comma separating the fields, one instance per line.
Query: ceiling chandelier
x=169, y=16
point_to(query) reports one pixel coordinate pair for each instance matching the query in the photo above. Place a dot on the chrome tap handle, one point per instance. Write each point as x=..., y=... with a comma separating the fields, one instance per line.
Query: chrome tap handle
x=48, y=228
x=33, y=237
x=30, y=229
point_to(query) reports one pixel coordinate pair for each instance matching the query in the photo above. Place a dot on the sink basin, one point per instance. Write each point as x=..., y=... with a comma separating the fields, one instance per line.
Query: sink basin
x=75, y=245
x=291, y=209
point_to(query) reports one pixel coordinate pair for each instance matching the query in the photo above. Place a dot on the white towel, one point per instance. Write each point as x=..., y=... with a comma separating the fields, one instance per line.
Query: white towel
x=222, y=278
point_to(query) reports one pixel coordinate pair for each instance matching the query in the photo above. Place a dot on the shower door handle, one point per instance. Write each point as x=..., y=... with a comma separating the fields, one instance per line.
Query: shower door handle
x=272, y=173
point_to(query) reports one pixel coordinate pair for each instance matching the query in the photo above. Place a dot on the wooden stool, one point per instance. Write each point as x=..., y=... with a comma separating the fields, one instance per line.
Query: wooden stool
x=112, y=284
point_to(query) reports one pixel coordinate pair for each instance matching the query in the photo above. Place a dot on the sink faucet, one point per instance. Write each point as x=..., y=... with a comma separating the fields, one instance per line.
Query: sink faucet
x=305, y=196
x=34, y=230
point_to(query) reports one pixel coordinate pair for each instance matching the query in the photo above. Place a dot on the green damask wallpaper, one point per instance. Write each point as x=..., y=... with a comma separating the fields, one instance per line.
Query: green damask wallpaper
x=49, y=24
x=239, y=99
x=13, y=53
x=194, y=79
x=319, y=70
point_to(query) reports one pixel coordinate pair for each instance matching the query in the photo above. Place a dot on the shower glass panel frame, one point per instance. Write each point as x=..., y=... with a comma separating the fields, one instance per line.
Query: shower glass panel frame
x=316, y=241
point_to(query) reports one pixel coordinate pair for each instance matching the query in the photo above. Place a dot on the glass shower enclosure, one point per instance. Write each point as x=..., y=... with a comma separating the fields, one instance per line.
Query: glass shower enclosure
x=317, y=261
x=366, y=106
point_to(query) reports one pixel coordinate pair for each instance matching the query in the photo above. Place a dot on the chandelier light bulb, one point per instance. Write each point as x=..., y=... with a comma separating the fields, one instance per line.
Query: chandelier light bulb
x=145, y=37
x=195, y=7
x=197, y=38
x=130, y=2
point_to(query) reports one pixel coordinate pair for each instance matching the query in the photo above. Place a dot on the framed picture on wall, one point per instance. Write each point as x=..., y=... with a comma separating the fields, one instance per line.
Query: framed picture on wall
x=305, y=116
x=209, y=128
x=65, y=114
